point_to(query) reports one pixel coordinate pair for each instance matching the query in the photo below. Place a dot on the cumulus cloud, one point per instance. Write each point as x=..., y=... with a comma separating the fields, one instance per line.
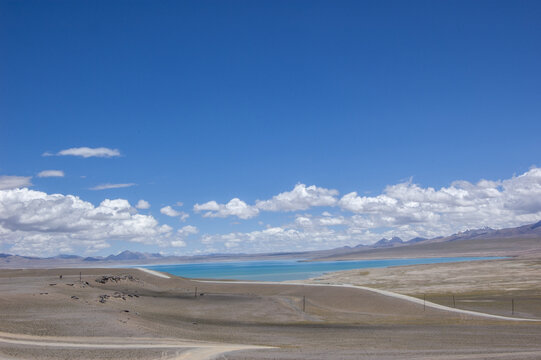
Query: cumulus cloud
x=178, y=243
x=461, y=205
x=12, y=182
x=111, y=186
x=51, y=173
x=183, y=233
x=37, y=223
x=169, y=211
x=142, y=204
x=87, y=152
x=275, y=239
x=235, y=207
x=406, y=210
x=301, y=197
x=187, y=230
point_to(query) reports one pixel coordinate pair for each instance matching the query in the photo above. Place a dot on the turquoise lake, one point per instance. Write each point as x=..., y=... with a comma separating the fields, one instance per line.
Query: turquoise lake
x=282, y=270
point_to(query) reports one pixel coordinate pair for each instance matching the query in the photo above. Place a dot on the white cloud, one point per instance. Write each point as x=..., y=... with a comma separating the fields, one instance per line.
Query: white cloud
x=184, y=216
x=183, y=233
x=87, y=152
x=142, y=204
x=169, y=211
x=178, y=243
x=331, y=221
x=12, y=182
x=111, y=186
x=51, y=173
x=235, y=207
x=460, y=206
x=187, y=230
x=37, y=223
x=301, y=197
x=405, y=210
x=208, y=206
x=275, y=239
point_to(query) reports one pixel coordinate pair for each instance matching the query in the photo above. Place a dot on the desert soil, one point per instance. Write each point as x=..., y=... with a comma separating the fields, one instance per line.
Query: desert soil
x=132, y=314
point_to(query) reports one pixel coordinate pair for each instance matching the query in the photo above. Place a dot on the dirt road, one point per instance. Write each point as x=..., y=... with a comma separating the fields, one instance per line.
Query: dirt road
x=194, y=350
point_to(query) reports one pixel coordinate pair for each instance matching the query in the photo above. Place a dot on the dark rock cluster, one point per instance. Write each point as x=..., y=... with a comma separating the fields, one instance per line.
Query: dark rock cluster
x=115, y=278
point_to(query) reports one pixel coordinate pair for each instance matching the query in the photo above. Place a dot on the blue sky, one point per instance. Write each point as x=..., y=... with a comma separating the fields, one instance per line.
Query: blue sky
x=216, y=100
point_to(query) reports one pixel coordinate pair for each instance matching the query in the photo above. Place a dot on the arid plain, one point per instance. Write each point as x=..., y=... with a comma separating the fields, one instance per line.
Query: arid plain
x=128, y=314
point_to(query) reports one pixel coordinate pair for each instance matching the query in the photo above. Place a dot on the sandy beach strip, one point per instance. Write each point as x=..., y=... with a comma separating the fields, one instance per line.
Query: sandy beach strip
x=154, y=272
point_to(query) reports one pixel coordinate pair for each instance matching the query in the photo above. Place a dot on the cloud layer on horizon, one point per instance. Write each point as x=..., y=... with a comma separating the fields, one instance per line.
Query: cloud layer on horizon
x=406, y=210
x=36, y=223
x=33, y=222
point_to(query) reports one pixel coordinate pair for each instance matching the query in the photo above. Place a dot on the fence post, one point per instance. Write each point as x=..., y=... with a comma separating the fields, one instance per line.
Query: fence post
x=512, y=306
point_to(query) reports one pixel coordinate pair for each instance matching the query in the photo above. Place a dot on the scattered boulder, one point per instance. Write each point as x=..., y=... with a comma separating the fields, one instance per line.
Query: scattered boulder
x=75, y=297
x=103, y=298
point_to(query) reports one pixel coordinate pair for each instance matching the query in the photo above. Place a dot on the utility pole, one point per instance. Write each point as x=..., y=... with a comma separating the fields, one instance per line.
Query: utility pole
x=454, y=303
x=195, y=293
x=80, y=277
x=512, y=306
x=303, y=303
x=424, y=302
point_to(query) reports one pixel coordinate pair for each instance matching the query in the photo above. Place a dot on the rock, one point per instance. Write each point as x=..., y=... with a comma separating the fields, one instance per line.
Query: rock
x=115, y=278
x=75, y=297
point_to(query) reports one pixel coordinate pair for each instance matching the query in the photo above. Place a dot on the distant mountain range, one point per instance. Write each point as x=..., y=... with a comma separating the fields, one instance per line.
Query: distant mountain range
x=487, y=242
